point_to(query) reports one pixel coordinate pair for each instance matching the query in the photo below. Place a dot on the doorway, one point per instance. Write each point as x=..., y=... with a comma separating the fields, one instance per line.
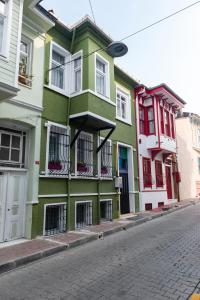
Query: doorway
x=12, y=205
x=168, y=181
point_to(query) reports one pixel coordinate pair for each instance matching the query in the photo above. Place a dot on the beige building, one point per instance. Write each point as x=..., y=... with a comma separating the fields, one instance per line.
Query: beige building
x=188, y=143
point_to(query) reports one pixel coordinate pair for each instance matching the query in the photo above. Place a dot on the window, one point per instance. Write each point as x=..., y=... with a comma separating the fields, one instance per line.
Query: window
x=199, y=164
x=162, y=120
x=159, y=173
x=77, y=73
x=172, y=126
x=142, y=119
x=58, y=149
x=102, y=82
x=198, y=137
x=58, y=68
x=83, y=214
x=55, y=218
x=25, y=62
x=2, y=21
x=147, y=172
x=150, y=116
x=167, y=124
x=12, y=148
x=106, y=210
x=106, y=159
x=123, y=106
x=85, y=154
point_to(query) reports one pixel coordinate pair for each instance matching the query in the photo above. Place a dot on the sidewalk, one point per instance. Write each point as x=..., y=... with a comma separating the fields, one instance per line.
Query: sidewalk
x=15, y=255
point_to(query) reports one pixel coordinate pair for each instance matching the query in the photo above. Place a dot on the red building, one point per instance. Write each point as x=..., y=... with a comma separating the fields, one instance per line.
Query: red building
x=156, y=110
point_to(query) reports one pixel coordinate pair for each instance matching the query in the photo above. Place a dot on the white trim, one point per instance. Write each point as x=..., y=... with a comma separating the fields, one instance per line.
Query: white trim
x=84, y=201
x=32, y=6
x=45, y=206
x=18, y=42
x=50, y=123
x=24, y=104
x=104, y=194
x=95, y=94
x=53, y=196
x=75, y=195
x=107, y=74
x=124, y=121
x=73, y=57
x=92, y=115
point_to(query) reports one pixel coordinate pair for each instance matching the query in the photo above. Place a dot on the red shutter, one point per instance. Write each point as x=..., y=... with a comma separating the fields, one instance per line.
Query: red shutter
x=159, y=173
x=147, y=172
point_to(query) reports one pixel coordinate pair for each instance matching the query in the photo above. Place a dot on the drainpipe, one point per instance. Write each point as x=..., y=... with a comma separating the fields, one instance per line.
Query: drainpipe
x=98, y=186
x=68, y=114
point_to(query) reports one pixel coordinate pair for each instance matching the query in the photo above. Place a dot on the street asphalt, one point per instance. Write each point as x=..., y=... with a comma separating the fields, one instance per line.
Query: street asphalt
x=156, y=260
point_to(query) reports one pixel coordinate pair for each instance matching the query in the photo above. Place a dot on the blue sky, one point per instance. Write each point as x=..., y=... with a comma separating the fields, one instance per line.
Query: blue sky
x=168, y=52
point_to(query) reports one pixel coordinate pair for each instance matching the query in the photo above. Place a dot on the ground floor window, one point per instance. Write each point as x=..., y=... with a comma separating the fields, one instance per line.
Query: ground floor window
x=12, y=148
x=147, y=172
x=106, y=210
x=159, y=173
x=55, y=218
x=84, y=146
x=83, y=214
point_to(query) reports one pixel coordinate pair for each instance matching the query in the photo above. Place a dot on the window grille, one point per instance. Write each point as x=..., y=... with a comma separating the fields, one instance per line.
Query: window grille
x=55, y=219
x=12, y=148
x=106, y=160
x=58, y=157
x=85, y=154
x=83, y=214
x=106, y=210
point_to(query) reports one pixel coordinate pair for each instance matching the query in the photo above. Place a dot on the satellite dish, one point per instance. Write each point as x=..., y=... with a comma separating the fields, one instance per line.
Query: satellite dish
x=117, y=49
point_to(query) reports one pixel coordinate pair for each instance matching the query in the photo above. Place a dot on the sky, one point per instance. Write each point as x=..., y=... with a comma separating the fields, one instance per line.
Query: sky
x=168, y=52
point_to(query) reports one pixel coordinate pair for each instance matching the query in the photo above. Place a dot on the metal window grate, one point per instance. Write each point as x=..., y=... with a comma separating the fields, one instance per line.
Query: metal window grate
x=106, y=210
x=106, y=169
x=83, y=214
x=55, y=219
x=85, y=155
x=59, y=157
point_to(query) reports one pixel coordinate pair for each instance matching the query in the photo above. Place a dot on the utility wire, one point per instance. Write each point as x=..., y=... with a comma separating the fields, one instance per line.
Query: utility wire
x=92, y=10
x=130, y=35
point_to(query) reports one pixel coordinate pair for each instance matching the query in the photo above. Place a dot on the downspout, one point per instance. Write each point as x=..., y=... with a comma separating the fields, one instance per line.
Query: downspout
x=68, y=114
x=137, y=156
x=98, y=184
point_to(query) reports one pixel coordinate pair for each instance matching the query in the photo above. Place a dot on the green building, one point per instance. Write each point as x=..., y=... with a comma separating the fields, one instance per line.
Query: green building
x=88, y=160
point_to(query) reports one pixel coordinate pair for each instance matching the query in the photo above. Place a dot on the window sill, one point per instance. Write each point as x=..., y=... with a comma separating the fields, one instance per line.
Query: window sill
x=57, y=90
x=124, y=121
x=13, y=169
x=54, y=176
x=25, y=85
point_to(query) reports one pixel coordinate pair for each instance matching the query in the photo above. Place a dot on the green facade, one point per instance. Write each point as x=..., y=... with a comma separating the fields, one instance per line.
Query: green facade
x=58, y=108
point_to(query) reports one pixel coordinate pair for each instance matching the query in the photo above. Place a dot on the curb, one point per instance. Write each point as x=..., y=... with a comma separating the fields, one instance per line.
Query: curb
x=10, y=265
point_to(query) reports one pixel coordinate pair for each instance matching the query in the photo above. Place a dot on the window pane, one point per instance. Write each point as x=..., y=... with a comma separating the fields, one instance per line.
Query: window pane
x=24, y=47
x=150, y=114
x=15, y=155
x=15, y=141
x=58, y=57
x=151, y=127
x=1, y=31
x=100, y=81
x=54, y=147
x=57, y=77
x=100, y=66
x=77, y=80
x=5, y=139
x=118, y=107
x=2, y=7
x=80, y=152
x=77, y=62
x=4, y=153
x=123, y=110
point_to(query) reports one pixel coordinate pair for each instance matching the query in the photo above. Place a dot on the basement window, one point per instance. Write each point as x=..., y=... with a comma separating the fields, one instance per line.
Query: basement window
x=83, y=214
x=55, y=219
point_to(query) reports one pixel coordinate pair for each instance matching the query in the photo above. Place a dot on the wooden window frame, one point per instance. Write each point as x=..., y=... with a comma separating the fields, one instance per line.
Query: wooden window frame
x=147, y=184
x=159, y=177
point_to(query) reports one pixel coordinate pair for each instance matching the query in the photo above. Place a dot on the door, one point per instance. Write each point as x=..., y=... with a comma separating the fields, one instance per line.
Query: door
x=168, y=182
x=123, y=172
x=12, y=205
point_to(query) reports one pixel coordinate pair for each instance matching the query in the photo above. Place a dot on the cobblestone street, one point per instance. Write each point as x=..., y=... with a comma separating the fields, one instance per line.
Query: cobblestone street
x=159, y=259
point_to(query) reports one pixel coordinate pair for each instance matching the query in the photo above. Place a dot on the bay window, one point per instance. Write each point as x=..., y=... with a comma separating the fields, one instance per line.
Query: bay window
x=159, y=173
x=76, y=72
x=146, y=118
x=147, y=178
x=102, y=76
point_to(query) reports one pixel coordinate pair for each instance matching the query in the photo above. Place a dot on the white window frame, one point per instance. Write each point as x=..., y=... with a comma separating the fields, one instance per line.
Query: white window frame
x=198, y=137
x=75, y=56
x=66, y=80
x=107, y=75
x=52, y=204
x=81, y=202
x=126, y=94
x=99, y=159
x=49, y=125
x=4, y=52
x=29, y=43
x=77, y=173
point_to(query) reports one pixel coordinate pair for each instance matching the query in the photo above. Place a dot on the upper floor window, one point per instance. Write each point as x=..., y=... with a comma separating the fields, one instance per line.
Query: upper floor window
x=84, y=165
x=159, y=173
x=12, y=148
x=102, y=76
x=151, y=124
x=172, y=126
x=142, y=119
x=147, y=122
x=198, y=136
x=2, y=21
x=76, y=72
x=25, y=76
x=106, y=159
x=123, y=106
x=167, y=123
x=147, y=178
x=57, y=149
x=162, y=120
x=199, y=164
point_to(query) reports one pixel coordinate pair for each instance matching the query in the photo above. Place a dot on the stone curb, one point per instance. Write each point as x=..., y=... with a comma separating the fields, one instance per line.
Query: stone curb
x=10, y=265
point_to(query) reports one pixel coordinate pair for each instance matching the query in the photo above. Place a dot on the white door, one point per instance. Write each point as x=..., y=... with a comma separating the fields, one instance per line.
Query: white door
x=12, y=205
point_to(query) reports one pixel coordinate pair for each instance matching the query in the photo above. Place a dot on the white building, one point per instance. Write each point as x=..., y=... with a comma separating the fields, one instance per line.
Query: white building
x=156, y=109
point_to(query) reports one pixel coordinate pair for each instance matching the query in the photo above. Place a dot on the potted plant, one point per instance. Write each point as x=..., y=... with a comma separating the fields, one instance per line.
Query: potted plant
x=55, y=165
x=23, y=77
x=104, y=170
x=81, y=167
